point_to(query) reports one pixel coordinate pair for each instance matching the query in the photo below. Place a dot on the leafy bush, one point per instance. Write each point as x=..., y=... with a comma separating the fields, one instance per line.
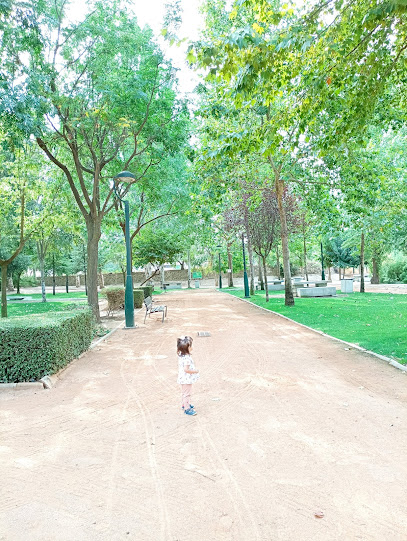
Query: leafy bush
x=395, y=269
x=114, y=296
x=31, y=348
x=138, y=295
x=148, y=290
x=28, y=281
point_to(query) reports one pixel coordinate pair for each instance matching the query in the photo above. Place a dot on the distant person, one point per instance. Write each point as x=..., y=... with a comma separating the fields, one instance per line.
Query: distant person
x=187, y=373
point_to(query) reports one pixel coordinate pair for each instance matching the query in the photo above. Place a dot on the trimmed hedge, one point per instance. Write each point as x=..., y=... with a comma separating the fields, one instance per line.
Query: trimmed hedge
x=138, y=295
x=148, y=290
x=34, y=347
x=115, y=297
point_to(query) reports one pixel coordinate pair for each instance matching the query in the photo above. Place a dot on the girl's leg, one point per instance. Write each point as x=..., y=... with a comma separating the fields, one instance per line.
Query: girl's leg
x=186, y=395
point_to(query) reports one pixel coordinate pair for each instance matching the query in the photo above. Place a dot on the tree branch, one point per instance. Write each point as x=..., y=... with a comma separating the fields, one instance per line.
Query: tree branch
x=68, y=175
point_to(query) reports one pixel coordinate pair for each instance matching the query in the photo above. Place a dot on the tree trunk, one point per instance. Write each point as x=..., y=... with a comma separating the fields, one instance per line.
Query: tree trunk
x=261, y=274
x=265, y=278
x=42, y=271
x=101, y=279
x=305, y=252
x=251, y=263
x=162, y=276
x=230, y=266
x=362, y=263
x=289, y=296
x=375, y=271
x=278, y=264
x=93, y=227
x=85, y=270
x=53, y=274
x=67, y=283
x=150, y=277
x=189, y=269
x=77, y=281
x=123, y=275
x=18, y=283
x=10, y=285
x=329, y=274
x=4, y=290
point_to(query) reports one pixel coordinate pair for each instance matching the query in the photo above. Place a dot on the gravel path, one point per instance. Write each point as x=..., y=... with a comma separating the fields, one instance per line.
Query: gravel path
x=289, y=425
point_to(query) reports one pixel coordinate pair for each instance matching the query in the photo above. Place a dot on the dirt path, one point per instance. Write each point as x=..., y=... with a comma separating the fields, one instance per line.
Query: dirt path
x=289, y=423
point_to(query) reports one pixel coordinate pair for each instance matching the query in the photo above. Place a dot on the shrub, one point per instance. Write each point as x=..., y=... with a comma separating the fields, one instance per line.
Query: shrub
x=395, y=270
x=138, y=295
x=28, y=281
x=114, y=296
x=31, y=348
x=148, y=290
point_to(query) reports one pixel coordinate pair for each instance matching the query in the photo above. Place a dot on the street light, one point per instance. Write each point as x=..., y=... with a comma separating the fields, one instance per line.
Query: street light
x=322, y=263
x=126, y=176
x=220, y=275
x=245, y=279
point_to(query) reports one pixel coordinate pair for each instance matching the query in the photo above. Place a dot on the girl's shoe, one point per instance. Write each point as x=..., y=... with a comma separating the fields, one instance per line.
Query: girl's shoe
x=190, y=411
x=191, y=406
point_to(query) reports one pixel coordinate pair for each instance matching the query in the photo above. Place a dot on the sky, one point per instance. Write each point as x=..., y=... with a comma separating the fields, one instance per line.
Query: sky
x=151, y=13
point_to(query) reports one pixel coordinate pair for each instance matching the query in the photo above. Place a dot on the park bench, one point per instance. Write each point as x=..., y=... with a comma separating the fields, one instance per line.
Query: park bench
x=320, y=291
x=171, y=285
x=153, y=309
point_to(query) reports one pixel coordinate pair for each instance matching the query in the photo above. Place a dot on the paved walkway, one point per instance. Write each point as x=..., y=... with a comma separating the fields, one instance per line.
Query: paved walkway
x=290, y=425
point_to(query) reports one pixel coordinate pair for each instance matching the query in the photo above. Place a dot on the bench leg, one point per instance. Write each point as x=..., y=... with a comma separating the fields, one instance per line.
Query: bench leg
x=162, y=321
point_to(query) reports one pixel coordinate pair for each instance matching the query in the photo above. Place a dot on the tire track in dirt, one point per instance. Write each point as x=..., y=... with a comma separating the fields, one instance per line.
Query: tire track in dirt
x=150, y=447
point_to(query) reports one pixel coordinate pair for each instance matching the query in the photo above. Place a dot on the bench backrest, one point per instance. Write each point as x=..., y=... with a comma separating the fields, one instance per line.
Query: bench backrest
x=148, y=302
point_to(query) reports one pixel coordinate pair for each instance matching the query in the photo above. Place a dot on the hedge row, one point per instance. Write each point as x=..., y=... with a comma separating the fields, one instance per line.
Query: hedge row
x=33, y=347
x=148, y=290
x=138, y=295
x=115, y=296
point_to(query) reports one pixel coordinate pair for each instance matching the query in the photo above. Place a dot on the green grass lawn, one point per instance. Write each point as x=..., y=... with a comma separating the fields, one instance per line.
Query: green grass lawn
x=28, y=308
x=374, y=321
x=51, y=297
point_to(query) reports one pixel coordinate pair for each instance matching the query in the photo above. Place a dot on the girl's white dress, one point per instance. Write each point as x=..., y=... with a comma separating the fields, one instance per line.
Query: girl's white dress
x=183, y=377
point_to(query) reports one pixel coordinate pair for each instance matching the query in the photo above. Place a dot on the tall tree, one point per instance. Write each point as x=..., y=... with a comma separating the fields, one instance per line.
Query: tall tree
x=99, y=120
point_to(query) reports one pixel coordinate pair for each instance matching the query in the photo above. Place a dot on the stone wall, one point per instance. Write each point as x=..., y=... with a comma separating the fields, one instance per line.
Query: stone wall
x=117, y=278
x=61, y=281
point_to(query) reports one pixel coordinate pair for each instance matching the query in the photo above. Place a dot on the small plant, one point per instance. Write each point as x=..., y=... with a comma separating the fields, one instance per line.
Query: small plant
x=99, y=331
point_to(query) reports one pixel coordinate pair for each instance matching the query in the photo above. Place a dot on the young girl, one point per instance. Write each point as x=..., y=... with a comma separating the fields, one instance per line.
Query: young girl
x=187, y=373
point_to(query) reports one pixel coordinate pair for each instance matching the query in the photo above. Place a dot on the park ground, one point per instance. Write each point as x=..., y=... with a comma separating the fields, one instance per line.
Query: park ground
x=297, y=437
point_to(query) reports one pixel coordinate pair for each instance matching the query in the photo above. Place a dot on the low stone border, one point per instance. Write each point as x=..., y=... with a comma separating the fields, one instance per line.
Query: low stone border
x=47, y=382
x=388, y=360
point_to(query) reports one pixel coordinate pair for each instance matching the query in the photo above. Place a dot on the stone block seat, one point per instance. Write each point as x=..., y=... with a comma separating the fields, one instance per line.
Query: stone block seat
x=328, y=291
x=171, y=285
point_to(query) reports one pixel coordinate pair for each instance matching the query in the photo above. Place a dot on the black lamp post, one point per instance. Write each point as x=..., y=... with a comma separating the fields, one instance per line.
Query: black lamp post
x=245, y=278
x=126, y=176
x=322, y=263
x=220, y=274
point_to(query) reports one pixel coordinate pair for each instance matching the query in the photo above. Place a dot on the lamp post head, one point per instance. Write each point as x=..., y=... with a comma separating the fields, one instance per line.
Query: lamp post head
x=125, y=176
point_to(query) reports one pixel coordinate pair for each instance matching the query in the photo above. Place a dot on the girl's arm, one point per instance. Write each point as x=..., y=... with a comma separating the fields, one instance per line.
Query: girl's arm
x=189, y=371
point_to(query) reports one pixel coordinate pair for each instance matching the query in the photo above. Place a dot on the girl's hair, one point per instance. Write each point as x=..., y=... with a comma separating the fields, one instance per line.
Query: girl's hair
x=183, y=345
